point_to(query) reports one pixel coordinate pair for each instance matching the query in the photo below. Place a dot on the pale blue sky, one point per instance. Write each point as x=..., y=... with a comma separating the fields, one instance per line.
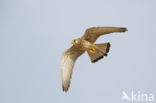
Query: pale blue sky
x=34, y=33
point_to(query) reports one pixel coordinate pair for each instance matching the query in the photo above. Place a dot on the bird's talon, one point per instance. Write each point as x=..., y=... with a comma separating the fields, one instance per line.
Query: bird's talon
x=92, y=50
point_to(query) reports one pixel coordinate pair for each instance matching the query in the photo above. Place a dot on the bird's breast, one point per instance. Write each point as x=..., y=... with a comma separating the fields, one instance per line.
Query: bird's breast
x=86, y=45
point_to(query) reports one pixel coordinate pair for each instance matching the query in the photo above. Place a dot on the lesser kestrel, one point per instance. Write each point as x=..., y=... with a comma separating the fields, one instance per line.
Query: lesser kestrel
x=80, y=45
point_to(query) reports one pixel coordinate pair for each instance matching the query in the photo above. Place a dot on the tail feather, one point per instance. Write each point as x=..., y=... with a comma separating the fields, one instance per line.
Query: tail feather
x=100, y=53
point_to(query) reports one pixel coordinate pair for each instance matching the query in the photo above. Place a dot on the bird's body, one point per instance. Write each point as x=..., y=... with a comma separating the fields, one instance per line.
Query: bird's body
x=80, y=45
x=83, y=44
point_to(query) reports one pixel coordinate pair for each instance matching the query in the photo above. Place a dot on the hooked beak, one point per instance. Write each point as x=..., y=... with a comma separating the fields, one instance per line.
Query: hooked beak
x=72, y=41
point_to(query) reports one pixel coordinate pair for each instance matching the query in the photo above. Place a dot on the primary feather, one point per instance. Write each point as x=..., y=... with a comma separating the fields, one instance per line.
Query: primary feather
x=92, y=34
x=67, y=63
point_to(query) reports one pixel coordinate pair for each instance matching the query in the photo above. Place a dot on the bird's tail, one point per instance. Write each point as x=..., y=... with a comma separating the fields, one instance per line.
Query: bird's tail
x=101, y=51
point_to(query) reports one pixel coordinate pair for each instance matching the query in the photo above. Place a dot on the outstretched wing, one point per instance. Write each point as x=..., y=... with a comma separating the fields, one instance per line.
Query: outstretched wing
x=67, y=63
x=93, y=33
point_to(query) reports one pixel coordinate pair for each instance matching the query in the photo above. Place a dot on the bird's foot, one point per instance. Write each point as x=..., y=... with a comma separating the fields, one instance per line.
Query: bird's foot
x=92, y=50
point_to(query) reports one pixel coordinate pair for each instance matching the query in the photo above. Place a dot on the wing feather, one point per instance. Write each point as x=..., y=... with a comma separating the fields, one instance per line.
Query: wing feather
x=67, y=63
x=91, y=34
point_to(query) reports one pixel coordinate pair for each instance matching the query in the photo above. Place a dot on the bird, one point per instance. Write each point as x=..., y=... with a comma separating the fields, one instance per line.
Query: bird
x=80, y=45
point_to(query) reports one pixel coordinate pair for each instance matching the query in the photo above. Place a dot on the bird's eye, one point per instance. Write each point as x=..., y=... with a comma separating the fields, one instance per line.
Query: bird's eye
x=77, y=42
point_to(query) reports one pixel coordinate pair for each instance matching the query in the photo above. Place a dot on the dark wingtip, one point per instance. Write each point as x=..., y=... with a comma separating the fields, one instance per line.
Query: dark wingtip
x=64, y=89
x=124, y=29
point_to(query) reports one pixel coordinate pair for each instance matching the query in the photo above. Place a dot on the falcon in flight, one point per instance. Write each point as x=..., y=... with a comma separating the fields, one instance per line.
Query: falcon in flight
x=80, y=45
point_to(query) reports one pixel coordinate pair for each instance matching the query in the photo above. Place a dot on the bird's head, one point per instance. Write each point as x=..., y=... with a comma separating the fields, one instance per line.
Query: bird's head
x=76, y=41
